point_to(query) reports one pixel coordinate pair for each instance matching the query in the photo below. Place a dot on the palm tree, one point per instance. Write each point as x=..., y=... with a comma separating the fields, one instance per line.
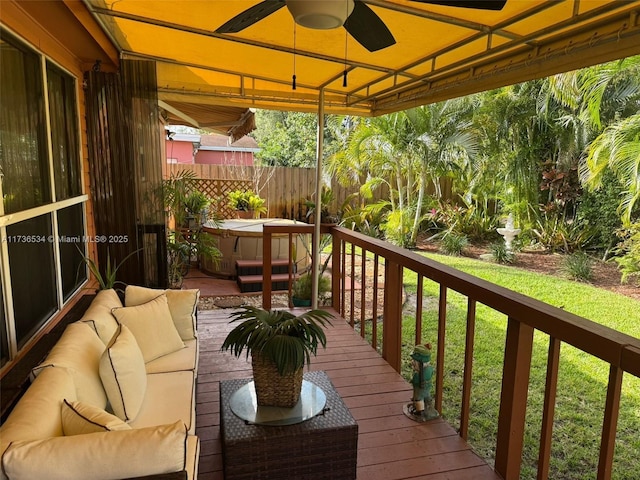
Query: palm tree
x=617, y=148
x=608, y=94
x=444, y=143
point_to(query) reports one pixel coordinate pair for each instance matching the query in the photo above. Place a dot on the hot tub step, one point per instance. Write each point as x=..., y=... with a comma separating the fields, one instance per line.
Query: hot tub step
x=253, y=283
x=254, y=267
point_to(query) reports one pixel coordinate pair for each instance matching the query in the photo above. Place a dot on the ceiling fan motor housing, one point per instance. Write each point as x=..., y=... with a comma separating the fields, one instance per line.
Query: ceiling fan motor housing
x=320, y=14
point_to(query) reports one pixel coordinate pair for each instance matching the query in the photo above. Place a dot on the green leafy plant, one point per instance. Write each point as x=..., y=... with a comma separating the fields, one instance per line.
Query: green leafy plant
x=578, y=266
x=196, y=202
x=629, y=251
x=181, y=248
x=454, y=244
x=175, y=191
x=284, y=338
x=107, y=279
x=557, y=234
x=397, y=228
x=500, y=253
x=247, y=201
x=326, y=198
x=301, y=288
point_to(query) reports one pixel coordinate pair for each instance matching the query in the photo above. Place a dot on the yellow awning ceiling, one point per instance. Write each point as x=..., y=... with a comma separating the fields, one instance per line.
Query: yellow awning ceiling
x=440, y=52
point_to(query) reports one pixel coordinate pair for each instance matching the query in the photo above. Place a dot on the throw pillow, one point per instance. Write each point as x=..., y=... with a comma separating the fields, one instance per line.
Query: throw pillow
x=123, y=374
x=99, y=456
x=79, y=418
x=152, y=326
x=182, y=305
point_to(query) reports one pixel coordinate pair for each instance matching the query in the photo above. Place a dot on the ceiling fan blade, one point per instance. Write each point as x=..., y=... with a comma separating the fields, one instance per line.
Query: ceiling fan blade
x=367, y=28
x=251, y=16
x=480, y=4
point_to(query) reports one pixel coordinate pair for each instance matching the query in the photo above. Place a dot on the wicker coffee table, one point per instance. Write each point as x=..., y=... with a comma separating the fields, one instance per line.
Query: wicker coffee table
x=324, y=447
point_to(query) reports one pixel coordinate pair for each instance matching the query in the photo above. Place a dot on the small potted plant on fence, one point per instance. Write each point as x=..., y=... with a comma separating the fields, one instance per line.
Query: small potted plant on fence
x=195, y=204
x=301, y=289
x=280, y=344
x=247, y=204
x=326, y=198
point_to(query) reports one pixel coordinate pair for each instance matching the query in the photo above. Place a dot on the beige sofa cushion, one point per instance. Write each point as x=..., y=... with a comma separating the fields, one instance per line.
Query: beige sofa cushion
x=182, y=305
x=170, y=397
x=79, y=418
x=99, y=316
x=183, y=359
x=152, y=326
x=79, y=350
x=37, y=414
x=123, y=374
x=107, y=455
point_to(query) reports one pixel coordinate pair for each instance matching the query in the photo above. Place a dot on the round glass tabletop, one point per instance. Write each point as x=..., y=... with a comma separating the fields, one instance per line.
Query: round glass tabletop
x=244, y=404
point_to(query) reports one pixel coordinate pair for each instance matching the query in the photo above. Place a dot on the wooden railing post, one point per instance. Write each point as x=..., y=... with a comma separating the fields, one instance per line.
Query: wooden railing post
x=336, y=272
x=610, y=423
x=513, y=399
x=392, y=315
x=266, y=269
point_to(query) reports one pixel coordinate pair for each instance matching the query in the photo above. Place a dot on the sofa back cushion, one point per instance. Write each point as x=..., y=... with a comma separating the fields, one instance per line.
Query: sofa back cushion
x=123, y=374
x=98, y=315
x=37, y=414
x=99, y=456
x=182, y=305
x=79, y=350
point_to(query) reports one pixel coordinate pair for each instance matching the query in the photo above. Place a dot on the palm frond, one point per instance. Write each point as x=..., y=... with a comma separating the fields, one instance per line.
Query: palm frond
x=288, y=340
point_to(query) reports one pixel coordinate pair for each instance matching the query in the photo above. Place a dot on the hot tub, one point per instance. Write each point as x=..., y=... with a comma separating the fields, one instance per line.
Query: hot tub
x=242, y=240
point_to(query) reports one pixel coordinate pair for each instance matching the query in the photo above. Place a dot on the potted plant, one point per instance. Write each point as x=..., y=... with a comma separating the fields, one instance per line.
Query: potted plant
x=326, y=198
x=280, y=344
x=301, y=289
x=195, y=204
x=247, y=204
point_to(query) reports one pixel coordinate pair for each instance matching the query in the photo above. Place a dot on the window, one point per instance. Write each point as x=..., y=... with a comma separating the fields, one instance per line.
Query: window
x=42, y=222
x=23, y=136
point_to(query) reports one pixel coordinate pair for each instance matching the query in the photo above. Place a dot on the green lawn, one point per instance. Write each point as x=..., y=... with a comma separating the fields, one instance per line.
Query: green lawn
x=582, y=379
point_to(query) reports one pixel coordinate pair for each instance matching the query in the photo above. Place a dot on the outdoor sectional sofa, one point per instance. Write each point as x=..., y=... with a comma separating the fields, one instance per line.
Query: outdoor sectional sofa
x=115, y=397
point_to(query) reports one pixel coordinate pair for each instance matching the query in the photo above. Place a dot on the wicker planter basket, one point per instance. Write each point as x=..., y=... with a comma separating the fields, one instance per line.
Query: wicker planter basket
x=273, y=389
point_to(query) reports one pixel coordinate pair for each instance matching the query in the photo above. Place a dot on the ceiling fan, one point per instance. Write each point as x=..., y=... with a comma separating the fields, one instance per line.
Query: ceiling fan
x=355, y=16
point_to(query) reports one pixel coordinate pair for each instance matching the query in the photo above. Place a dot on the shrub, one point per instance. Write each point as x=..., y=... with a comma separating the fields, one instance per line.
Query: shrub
x=578, y=266
x=454, y=244
x=500, y=253
x=629, y=251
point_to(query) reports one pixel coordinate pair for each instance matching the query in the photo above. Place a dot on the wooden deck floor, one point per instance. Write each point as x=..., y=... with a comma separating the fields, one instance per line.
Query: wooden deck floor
x=390, y=446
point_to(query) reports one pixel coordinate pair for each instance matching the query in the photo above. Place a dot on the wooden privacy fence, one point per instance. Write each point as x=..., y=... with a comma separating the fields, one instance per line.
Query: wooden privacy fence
x=285, y=189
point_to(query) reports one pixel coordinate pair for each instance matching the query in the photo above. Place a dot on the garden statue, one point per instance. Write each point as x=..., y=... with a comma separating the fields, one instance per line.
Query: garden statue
x=421, y=408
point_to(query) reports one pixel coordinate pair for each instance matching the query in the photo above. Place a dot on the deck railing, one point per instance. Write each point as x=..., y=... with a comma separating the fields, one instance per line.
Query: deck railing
x=524, y=316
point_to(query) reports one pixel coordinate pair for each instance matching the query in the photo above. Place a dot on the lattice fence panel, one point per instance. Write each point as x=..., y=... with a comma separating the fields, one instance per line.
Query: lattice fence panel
x=218, y=190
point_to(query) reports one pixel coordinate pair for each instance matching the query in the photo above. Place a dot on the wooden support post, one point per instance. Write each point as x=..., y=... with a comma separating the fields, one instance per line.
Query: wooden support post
x=468, y=368
x=337, y=273
x=513, y=399
x=266, y=270
x=442, y=324
x=392, y=315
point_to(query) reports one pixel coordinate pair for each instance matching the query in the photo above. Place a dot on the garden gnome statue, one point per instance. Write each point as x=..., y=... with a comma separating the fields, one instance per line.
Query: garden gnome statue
x=421, y=408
